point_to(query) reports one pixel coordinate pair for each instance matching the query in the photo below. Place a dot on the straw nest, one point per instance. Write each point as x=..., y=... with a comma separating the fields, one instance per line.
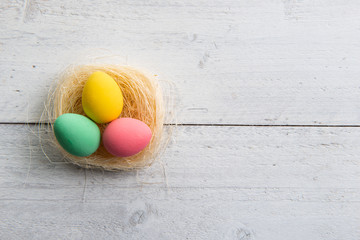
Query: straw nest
x=143, y=100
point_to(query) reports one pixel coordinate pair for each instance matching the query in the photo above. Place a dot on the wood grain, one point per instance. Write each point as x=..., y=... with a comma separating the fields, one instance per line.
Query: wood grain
x=234, y=62
x=223, y=182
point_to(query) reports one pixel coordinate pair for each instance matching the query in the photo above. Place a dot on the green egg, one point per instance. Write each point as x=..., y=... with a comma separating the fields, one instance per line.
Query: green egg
x=77, y=134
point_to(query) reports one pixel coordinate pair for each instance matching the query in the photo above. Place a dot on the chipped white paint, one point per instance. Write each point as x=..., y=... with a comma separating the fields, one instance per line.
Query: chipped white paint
x=248, y=62
x=223, y=183
x=238, y=62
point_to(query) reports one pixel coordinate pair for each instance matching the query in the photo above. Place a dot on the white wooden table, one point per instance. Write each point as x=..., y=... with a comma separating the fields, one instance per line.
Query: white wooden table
x=268, y=145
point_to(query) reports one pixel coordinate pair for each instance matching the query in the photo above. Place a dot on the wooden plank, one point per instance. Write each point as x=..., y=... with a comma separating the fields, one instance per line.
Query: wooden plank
x=210, y=157
x=204, y=156
x=234, y=62
x=223, y=183
x=145, y=218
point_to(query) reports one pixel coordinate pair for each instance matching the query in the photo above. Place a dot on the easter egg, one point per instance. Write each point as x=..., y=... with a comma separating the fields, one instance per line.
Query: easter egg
x=125, y=137
x=102, y=99
x=77, y=134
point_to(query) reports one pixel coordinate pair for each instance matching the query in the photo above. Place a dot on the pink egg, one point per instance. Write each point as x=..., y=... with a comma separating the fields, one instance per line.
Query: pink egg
x=125, y=137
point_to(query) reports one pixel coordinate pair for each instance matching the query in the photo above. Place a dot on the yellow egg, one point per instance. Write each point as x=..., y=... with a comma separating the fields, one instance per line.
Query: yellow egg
x=102, y=99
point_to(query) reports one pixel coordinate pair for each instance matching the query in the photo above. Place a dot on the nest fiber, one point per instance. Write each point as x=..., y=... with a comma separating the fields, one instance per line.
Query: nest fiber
x=143, y=100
